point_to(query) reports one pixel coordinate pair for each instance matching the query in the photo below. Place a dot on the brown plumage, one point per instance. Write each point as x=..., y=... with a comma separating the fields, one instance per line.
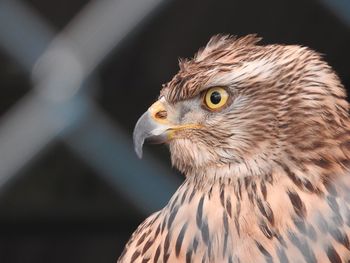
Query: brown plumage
x=267, y=174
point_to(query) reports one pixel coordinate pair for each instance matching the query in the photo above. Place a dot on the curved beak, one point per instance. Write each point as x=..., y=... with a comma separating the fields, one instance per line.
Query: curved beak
x=154, y=127
x=147, y=129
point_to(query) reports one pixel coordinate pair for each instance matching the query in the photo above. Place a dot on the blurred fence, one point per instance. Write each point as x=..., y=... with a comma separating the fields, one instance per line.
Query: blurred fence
x=60, y=106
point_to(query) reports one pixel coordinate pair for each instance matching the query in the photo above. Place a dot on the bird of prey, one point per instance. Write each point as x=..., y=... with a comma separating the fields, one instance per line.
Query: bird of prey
x=262, y=135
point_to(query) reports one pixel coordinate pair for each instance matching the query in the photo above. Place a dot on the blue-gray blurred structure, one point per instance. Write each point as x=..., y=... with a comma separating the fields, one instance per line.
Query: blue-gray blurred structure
x=58, y=107
x=341, y=8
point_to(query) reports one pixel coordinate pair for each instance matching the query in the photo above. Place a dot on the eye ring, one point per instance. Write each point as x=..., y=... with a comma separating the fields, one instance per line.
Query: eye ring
x=215, y=98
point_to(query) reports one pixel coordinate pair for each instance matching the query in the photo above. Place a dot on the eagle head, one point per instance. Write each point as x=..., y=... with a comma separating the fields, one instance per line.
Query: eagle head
x=239, y=107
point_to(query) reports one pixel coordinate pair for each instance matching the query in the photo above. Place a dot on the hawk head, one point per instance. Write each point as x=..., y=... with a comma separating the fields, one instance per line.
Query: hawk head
x=237, y=108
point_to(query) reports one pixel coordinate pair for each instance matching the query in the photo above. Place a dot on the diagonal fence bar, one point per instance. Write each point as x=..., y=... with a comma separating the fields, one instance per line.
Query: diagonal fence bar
x=91, y=35
x=27, y=129
x=18, y=41
x=103, y=24
x=341, y=8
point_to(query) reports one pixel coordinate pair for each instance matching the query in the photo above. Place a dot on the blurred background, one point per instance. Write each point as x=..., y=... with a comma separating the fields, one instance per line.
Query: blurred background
x=76, y=75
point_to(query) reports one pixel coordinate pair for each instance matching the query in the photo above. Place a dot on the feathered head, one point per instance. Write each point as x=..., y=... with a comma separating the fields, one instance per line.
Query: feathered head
x=241, y=105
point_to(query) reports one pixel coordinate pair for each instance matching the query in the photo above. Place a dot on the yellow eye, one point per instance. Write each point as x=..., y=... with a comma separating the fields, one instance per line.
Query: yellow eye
x=215, y=98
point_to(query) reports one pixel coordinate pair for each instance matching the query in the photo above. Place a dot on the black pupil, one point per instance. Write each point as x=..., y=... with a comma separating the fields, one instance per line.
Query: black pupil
x=215, y=97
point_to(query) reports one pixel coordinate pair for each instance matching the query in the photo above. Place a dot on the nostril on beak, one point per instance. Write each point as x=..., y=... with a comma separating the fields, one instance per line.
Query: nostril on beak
x=161, y=115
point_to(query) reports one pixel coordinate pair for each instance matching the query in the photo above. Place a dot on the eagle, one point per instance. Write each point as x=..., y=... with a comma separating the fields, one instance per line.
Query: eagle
x=262, y=135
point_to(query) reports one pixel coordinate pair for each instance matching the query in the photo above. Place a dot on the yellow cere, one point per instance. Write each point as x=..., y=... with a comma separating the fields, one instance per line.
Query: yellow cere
x=156, y=108
x=215, y=98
